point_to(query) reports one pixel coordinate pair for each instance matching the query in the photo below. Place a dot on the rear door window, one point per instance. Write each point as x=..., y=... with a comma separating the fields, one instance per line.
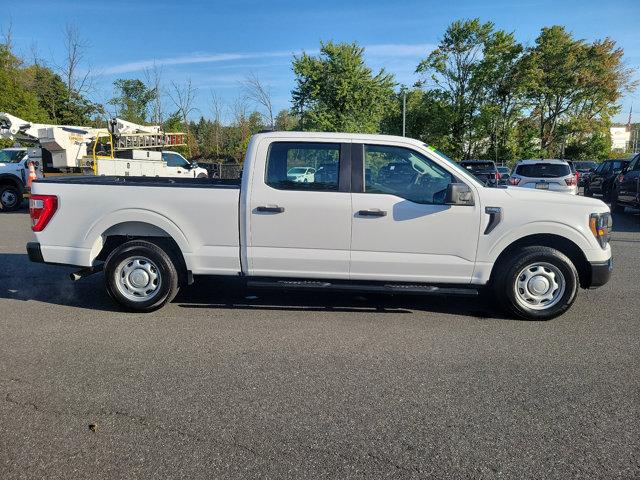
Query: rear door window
x=303, y=166
x=543, y=170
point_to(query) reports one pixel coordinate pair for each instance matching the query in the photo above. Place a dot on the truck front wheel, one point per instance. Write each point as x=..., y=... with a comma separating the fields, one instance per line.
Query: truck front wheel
x=536, y=283
x=10, y=198
x=141, y=276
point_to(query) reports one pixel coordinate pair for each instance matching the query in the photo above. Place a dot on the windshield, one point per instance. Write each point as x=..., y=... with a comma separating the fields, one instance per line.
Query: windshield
x=295, y=170
x=454, y=164
x=11, y=156
x=543, y=170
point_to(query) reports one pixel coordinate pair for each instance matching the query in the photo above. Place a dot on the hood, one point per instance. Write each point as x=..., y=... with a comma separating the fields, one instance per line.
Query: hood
x=552, y=198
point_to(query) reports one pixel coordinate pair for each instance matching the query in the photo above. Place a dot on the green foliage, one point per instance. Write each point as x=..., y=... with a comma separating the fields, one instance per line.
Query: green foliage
x=574, y=88
x=286, y=120
x=502, y=101
x=15, y=95
x=133, y=100
x=336, y=91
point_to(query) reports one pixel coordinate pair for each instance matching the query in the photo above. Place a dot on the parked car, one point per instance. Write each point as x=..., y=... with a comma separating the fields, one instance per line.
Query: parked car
x=484, y=170
x=600, y=181
x=553, y=175
x=301, y=174
x=584, y=169
x=505, y=173
x=400, y=217
x=626, y=187
x=13, y=177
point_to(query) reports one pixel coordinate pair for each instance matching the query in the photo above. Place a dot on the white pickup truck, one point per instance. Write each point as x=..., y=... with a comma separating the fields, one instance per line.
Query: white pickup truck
x=381, y=213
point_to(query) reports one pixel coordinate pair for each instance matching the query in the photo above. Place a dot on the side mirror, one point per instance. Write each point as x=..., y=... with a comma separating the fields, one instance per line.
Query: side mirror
x=459, y=194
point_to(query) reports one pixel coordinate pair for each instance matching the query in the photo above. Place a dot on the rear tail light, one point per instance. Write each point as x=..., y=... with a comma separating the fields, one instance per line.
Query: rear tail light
x=620, y=178
x=498, y=175
x=514, y=181
x=41, y=209
x=572, y=181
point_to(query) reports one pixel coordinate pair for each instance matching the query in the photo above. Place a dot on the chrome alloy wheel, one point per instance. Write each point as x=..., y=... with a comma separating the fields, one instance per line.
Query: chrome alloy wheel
x=539, y=286
x=138, y=279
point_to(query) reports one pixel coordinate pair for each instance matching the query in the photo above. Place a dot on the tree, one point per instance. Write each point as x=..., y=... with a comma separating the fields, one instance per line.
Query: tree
x=183, y=97
x=153, y=77
x=336, y=91
x=574, y=83
x=132, y=100
x=216, y=110
x=286, y=121
x=506, y=78
x=261, y=94
x=457, y=69
x=15, y=95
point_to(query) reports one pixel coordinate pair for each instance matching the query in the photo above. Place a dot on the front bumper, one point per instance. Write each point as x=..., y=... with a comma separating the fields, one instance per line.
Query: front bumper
x=600, y=273
x=34, y=252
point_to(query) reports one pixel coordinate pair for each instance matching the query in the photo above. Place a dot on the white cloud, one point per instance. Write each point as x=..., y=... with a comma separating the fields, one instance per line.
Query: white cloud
x=140, y=65
x=381, y=51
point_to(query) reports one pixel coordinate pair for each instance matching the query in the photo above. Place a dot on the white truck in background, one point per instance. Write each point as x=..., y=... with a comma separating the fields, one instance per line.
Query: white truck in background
x=124, y=148
x=382, y=214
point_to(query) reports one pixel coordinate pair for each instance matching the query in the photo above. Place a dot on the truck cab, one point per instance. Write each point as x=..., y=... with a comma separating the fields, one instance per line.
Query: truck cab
x=178, y=166
x=13, y=177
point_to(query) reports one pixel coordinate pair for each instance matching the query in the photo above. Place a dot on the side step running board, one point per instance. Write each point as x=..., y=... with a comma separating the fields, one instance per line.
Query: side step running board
x=404, y=288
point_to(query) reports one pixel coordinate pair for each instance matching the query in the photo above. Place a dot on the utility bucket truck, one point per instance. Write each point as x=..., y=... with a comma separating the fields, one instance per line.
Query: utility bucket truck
x=123, y=148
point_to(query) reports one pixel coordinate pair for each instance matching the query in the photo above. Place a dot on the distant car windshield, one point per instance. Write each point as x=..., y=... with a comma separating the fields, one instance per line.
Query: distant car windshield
x=297, y=170
x=454, y=164
x=11, y=156
x=479, y=167
x=543, y=170
x=586, y=165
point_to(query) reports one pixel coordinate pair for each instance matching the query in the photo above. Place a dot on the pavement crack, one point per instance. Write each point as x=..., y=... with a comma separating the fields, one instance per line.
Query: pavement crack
x=392, y=463
x=8, y=398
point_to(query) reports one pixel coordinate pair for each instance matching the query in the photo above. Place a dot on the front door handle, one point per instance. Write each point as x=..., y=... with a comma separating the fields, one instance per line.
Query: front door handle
x=270, y=209
x=372, y=213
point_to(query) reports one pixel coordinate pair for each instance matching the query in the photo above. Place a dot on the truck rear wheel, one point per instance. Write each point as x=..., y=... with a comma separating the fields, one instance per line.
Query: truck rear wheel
x=141, y=276
x=10, y=198
x=537, y=283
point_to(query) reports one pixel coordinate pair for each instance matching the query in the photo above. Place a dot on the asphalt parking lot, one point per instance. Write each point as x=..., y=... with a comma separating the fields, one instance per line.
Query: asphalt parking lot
x=230, y=383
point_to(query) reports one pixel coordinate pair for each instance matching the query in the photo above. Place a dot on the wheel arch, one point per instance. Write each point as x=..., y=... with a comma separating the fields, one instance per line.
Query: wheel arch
x=106, y=236
x=558, y=242
x=13, y=180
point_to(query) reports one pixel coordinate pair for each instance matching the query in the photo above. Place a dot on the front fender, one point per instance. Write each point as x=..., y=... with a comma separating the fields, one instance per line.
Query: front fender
x=582, y=237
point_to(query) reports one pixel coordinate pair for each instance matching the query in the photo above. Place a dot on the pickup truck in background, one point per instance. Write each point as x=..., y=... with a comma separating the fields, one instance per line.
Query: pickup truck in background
x=13, y=177
x=381, y=214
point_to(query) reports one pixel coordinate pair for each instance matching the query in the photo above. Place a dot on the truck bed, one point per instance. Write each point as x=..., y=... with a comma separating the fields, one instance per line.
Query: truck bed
x=199, y=214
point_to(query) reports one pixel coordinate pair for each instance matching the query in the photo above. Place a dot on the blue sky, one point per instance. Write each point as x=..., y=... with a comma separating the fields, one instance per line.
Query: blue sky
x=217, y=43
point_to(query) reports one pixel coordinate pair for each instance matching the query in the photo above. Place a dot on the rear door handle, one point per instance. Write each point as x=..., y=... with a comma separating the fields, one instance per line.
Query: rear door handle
x=372, y=213
x=270, y=209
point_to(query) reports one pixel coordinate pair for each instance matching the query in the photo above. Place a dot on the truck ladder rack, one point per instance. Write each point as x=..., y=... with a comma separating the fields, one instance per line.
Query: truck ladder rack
x=131, y=141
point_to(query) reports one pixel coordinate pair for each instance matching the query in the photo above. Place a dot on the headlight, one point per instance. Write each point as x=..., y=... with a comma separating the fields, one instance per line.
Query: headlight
x=600, y=225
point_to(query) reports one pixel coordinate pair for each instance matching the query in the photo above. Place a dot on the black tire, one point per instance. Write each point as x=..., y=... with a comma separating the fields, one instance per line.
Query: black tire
x=546, y=259
x=202, y=175
x=587, y=192
x=606, y=194
x=165, y=270
x=10, y=198
x=615, y=206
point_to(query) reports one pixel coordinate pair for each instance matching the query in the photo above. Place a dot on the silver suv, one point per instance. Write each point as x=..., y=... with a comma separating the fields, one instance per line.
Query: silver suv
x=551, y=174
